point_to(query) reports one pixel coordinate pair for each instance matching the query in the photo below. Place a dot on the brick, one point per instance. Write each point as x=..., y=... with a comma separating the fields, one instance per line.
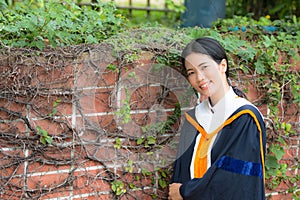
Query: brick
x=94, y=101
x=105, y=154
x=145, y=97
x=291, y=111
x=108, y=77
x=45, y=105
x=263, y=109
x=283, y=186
x=37, y=167
x=137, y=179
x=291, y=152
x=86, y=76
x=252, y=93
x=105, y=123
x=16, y=127
x=12, y=175
x=162, y=193
x=150, y=118
x=293, y=140
x=59, y=193
x=16, y=77
x=82, y=163
x=12, y=107
x=126, y=68
x=92, y=136
x=47, y=181
x=89, y=182
x=6, y=75
x=15, y=183
x=153, y=116
x=11, y=194
x=141, y=194
x=281, y=197
x=94, y=196
x=154, y=121
x=11, y=161
x=58, y=128
x=52, y=77
x=149, y=74
x=95, y=75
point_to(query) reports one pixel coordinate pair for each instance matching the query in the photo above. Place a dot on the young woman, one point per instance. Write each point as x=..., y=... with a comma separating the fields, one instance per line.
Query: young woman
x=222, y=144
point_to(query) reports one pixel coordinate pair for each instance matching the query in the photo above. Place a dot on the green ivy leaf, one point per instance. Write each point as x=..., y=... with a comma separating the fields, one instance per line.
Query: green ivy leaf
x=162, y=183
x=151, y=140
x=43, y=141
x=117, y=143
x=271, y=162
x=43, y=133
x=132, y=186
x=278, y=151
x=260, y=66
x=140, y=141
x=49, y=140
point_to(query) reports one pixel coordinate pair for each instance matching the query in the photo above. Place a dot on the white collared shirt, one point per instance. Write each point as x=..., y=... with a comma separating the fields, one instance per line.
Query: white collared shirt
x=211, y=117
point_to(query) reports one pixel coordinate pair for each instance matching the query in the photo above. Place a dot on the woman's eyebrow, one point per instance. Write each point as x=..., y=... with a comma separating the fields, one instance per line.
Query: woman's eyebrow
x=197, y=66
x=202, y=64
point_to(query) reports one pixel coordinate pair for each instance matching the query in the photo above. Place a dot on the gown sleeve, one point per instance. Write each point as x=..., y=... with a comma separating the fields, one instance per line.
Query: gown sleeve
x=181, y=168
x=237, y=163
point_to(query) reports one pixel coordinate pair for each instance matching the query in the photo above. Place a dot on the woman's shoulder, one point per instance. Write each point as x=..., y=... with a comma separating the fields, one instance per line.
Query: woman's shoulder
x=248, y=108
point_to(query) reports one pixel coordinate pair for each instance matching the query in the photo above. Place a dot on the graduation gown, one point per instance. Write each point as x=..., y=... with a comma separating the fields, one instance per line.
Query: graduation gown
x=225, y=161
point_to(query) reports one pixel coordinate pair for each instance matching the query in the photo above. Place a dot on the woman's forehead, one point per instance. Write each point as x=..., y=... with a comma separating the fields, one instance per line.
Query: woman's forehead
x=197, y=58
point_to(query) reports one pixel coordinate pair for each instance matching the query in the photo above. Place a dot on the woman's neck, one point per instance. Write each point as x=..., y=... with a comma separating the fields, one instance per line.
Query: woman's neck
x=219, y=95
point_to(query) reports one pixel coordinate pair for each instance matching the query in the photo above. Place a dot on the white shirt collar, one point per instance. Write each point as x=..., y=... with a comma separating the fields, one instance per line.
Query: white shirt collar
x=211, y=117
x=229, y=95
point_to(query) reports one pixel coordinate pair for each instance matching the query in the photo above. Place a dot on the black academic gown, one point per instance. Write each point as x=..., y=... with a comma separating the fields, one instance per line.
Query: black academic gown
x=237, y=160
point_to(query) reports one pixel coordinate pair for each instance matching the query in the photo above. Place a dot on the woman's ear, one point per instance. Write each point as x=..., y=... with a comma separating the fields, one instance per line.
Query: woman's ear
x=223, y=66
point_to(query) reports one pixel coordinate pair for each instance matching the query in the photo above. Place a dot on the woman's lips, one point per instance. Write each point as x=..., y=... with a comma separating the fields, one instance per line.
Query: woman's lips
x=203, y=86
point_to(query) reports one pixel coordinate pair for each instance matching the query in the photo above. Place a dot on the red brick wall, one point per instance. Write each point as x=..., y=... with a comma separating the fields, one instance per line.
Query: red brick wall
x=292, y=148
x=86, y=101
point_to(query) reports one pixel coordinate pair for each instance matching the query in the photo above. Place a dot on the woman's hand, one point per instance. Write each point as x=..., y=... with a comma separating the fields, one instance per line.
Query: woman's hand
x=174, y=193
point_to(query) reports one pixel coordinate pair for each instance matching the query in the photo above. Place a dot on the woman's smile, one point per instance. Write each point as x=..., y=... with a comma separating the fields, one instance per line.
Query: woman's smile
x=204, y=86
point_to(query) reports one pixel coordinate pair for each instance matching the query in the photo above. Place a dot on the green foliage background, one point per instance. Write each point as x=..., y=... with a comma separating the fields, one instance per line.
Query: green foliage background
x=57, y=23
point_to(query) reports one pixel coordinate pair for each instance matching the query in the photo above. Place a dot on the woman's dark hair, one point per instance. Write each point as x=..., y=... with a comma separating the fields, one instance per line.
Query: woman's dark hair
x=212, y=48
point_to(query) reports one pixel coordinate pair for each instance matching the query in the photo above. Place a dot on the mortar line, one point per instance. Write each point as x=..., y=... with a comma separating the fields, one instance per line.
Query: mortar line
x=26, y=151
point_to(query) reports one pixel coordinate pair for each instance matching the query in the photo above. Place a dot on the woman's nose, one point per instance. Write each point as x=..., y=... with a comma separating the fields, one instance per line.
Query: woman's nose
x=200, y=76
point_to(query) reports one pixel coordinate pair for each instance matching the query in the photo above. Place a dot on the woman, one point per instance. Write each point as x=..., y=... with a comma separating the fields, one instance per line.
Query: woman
x=222, y=143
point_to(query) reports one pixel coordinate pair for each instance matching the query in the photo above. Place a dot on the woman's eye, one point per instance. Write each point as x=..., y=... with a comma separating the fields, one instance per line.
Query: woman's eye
x=190, y=73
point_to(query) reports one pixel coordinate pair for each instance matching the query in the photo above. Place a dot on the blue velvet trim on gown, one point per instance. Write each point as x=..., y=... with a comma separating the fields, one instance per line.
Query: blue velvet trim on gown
x=240, y=166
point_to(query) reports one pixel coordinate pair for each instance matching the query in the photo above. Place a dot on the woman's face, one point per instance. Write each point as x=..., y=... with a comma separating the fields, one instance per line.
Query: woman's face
x=206, y=76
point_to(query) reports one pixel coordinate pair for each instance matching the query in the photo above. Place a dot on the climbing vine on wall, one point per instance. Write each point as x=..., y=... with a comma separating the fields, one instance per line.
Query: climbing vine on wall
x=47, y=97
